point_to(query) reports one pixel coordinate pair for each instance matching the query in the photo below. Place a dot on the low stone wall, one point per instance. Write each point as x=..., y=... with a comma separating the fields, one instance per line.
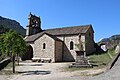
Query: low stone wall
x=113, y=61
x=117, y=51
x=4, y=63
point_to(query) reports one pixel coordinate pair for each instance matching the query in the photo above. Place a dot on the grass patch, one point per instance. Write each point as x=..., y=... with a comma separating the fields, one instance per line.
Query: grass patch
x=97, y=74
x=102, y=59
x=87, y=74
x=75, y=69
x=8, y=66
x=112, y=52
x=99, y=60
x=7, y=70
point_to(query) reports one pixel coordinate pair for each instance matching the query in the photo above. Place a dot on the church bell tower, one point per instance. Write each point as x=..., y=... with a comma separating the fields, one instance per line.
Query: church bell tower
x=34, y=25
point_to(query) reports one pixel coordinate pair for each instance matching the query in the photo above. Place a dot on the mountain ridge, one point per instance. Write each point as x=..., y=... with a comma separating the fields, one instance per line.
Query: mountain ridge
x=112, y=41
x=7, y=23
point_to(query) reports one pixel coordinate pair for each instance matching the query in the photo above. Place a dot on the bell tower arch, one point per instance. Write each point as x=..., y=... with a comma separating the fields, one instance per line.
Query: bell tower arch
x=34, y=25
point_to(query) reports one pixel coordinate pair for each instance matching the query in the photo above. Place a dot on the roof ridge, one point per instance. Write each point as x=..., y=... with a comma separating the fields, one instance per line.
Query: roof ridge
x=73, y=30
x=69, y=27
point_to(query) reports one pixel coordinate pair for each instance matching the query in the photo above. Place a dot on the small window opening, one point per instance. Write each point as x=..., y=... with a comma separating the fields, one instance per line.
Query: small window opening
x=44, y=45
x=71, y=45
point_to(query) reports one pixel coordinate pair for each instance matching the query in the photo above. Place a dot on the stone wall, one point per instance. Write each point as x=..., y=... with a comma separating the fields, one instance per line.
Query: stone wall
x=58, y=50
x=89, y=42
x=49, y=50
x=69, y=55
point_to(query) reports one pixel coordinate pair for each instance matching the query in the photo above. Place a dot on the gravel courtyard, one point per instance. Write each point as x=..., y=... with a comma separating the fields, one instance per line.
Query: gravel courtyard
x=57, y=71
x=47, y=71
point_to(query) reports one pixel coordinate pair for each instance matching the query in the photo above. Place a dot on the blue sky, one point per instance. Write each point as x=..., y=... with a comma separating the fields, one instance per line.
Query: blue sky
x=104, y=15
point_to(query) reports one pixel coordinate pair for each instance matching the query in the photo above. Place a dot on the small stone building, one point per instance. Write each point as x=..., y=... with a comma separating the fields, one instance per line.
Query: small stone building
x=59, y=44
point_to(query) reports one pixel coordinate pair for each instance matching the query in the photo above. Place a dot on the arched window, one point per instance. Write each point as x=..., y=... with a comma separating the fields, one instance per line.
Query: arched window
x=71, y=45
x=44, y=45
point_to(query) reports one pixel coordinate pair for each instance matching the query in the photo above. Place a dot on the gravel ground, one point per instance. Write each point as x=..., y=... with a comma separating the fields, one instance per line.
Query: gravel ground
x=55, y=71
x=45, y=71
x=2, y=77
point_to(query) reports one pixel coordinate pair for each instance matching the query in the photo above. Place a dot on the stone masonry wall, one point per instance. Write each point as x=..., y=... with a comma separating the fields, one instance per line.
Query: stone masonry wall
x=58, y=50
x=69, y=55
x=89, y=39
x=49, y=50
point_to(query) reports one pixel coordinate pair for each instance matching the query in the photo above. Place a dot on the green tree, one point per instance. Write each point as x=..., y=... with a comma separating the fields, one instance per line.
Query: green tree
x=20, y=47
x=12, y=44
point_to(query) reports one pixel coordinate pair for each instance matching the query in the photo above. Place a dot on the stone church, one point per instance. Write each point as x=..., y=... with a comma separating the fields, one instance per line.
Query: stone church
x=59, y=44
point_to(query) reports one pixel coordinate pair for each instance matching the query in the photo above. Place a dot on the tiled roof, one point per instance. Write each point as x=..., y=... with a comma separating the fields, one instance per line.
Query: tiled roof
x=60, y=31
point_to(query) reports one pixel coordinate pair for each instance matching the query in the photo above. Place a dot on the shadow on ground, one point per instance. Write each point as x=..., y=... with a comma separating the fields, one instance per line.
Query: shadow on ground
x=36, y=65
x=35, y=72
x=31, y=64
